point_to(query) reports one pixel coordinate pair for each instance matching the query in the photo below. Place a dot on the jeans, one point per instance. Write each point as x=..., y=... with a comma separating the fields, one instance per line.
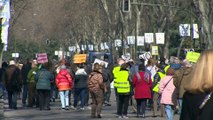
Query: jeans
x=141, y=106
x=12, y=99
x=64, y=96
x=180, y=100
x=79, y=92
x=24, y=94
x=169, y=109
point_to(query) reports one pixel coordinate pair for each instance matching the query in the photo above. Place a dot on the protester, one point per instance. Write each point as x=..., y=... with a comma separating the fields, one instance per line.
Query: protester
x=161, y=73
x=123, y=90
x=24, y=71
x=198, y=99
x=13, y=84
x=31, y=82
x=95, y=83
x=64, y=84
x=43, y=86
x=142, y=90
x=115, y=72
x=107, y=79
x=80, y=87
x=168, y=94
x=181, y=78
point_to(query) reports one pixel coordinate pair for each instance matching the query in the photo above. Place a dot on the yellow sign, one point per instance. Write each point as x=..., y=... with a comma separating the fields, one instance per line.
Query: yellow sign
x=79, y=58
x=154, y=50
x=192, y=56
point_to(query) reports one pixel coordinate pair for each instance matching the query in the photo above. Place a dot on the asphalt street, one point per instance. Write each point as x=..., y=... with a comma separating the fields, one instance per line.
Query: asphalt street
x=108, y=113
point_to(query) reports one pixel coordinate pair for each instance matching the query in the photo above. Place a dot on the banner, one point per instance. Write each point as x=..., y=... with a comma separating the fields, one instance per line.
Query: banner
x=130, y=40
x=140, y=41
x=41, y=57
x=101, y=62
x=184, y=30
x=118, y=43
x=192, y=56
x=195, y=31
x=149, y=37
x=154, y=50
x=160, y=38
x=79, y=58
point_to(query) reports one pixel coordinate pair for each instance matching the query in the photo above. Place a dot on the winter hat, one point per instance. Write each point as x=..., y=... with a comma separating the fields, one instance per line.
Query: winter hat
x=186, y=63
x=12, y=62
x=63, y=67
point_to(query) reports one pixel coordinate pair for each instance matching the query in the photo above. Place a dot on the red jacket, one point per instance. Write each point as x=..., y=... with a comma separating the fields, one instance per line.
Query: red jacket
x=64, y=80
x=142, y=87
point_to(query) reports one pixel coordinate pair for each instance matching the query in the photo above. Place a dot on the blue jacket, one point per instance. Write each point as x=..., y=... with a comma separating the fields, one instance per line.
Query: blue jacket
x=44, y=78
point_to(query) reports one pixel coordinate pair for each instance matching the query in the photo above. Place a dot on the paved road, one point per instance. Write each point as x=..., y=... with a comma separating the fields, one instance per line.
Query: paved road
x=55, y=113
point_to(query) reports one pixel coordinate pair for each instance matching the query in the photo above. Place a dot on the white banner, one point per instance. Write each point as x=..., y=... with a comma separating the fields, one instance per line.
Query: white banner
x=184, y=30
x=160, y=38
x=15, y=55
x=195, y=31
x=130, y=40
x=140, y=41
x=90, y=47
x=72, y=48
x=149, y=37
x=83, y=47
x=118, y=43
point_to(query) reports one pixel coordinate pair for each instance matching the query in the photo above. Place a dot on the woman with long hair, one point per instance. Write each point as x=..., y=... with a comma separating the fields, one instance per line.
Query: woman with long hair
x=198, y=100
x=142, y=90
x=168, y=93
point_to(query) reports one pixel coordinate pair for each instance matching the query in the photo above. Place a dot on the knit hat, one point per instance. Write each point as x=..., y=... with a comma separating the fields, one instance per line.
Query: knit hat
x=186, y=63
x=63, y=67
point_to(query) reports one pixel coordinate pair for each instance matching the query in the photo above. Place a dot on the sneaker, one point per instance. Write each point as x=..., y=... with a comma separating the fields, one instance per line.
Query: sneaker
x=74, y=108
x=125, y=117
x=82, y=108
x=89, y=108
x=67, y=108
x=99, y=116
x=120, y=117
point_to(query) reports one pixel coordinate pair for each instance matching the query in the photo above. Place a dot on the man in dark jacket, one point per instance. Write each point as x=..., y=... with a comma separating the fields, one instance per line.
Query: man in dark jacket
x=80, y=86
x=107, y=79
x=24, y=71
x=13, y=84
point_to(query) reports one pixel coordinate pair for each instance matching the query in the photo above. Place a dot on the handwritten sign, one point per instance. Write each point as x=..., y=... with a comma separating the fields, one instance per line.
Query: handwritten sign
x=192, y=56
x=79, y=58
x=101, y=62
x=41, y=57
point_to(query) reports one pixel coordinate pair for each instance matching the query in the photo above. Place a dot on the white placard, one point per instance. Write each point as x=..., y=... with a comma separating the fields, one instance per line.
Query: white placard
x=15, y=55
x=149, y=37
x=195, y=31
x=106, y=45
x=102, y=46
x=83, y=47
x=130, y=40
x=72, y=48
x=101, y=62
x=160, y=38
x=90, y=47
x=184, y=30
x=56, y=52
x=140, y=41
x=118, y=43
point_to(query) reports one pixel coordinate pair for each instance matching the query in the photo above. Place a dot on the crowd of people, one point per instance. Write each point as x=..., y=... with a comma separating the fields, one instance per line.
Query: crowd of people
x=177, y=86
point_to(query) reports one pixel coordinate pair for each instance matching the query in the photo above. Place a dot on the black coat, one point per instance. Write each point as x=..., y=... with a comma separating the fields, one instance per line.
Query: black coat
x=190, y=107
